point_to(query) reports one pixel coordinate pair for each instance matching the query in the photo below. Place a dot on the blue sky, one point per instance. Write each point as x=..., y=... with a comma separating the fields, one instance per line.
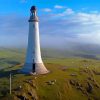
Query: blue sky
x=62, y=22
x=22, y=6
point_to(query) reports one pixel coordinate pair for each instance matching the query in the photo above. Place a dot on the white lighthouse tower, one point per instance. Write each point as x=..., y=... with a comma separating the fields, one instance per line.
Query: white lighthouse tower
x=34, y=61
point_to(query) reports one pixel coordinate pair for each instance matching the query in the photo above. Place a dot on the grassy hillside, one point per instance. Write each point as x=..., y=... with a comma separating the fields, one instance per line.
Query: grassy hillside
x=69, y=78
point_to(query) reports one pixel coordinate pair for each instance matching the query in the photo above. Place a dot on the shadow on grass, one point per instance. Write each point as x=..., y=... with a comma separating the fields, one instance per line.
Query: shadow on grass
x=4, y=73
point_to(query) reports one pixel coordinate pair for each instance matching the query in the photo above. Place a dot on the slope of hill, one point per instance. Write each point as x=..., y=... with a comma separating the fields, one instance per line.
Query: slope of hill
x=69, y=78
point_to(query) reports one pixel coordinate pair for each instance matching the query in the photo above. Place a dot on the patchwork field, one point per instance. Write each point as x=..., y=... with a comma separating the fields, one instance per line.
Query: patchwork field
x=72, y=78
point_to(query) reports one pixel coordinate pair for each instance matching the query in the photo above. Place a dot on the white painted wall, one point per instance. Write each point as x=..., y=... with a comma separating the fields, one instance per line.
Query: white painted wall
x=33, y=50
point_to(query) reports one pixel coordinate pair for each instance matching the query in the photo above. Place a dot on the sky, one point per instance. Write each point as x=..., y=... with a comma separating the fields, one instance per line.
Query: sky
x=62, y=23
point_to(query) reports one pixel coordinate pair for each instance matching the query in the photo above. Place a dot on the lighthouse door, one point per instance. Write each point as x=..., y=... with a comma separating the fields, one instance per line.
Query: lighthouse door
x=33, y=67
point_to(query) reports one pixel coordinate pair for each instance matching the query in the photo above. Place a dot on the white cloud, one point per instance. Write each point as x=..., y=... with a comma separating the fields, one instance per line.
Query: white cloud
x=95, y=12
x=78, y=26
x=47, y=10
x=59, y=6
x=93, y=38
x=68, y=11
x=89, y=19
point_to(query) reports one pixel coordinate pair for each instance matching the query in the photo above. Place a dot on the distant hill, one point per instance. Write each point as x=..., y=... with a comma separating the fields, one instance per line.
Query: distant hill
x=77, y=50
x=56, y=53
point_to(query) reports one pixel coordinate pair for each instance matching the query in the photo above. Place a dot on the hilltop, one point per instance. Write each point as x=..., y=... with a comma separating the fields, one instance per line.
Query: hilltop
x=69, y=78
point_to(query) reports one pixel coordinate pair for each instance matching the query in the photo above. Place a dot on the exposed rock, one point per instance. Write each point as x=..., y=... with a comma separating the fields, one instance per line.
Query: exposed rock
x=20, y=87
x=73, y=74
x=89, y=88
x=72, y=82
x=27, y=92
x=96, y=85
x=78, y=84
x=85, y=70
x=22, y=97
x=91, y=79
x=35, y=77
x=51, y=82
x=79, y=88
x=87, y=67
x=96, y=72
x=31, y=82
x=64, y=68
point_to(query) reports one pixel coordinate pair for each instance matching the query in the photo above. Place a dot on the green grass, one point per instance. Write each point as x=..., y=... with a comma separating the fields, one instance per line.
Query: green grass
x=11, y=57
x=60, y=70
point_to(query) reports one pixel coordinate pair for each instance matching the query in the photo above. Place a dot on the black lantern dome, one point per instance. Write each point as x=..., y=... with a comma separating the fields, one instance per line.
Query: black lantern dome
x=33, y=8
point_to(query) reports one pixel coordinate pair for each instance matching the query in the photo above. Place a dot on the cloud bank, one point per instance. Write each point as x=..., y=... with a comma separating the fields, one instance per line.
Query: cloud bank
x=65, y=28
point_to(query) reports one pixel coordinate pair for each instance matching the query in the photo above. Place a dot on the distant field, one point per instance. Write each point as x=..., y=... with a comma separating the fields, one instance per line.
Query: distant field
x=13, y=56
x=70, y=78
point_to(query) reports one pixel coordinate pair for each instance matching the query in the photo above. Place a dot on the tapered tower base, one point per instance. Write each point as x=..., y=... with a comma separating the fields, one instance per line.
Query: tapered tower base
x=36, y=68
x=40, y=68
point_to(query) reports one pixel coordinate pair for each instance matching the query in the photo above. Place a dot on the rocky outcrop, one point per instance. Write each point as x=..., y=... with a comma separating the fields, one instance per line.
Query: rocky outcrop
x=27, y=91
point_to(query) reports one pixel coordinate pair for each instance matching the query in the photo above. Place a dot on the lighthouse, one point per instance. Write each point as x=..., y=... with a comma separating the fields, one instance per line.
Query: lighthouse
x=33, y=63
